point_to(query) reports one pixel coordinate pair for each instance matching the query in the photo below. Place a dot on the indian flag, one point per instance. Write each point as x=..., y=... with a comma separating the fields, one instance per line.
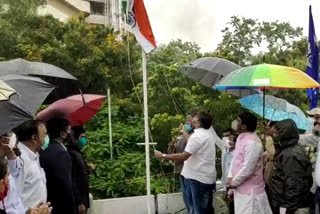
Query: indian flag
x=137, y=19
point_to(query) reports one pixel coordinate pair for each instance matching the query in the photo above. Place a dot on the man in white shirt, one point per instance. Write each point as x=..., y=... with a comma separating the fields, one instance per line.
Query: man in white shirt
x=30, y=179
x=199, y=172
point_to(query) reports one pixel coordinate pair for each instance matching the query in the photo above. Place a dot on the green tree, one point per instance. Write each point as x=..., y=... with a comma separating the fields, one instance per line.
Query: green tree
x=101, y=58
x=242, y=36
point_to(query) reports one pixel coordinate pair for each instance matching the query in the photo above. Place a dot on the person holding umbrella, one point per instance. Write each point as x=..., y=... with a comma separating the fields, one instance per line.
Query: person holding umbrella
x=57, y=164
x=79, y=168
x=180, y=145
x=10, y=201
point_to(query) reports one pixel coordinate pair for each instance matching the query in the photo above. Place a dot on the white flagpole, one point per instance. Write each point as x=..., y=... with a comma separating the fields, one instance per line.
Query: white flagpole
x=110, y=127
x=146, y=128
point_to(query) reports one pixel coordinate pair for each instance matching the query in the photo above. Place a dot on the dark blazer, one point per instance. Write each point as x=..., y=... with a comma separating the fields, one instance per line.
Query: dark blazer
x=57, y=164
x=79, y=176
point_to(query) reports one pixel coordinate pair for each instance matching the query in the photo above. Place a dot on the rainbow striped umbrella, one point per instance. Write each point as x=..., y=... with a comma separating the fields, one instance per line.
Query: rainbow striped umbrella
x=266, y=76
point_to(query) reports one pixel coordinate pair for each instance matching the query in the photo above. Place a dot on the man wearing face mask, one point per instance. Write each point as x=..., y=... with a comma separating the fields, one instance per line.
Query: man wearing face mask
x=291, y=177
x=180, y=145
x=198, y=172
x=31, y=180
x=11, y=201
x=79, y=169
x=57, y=164
x=225, y=156
x=246, y=170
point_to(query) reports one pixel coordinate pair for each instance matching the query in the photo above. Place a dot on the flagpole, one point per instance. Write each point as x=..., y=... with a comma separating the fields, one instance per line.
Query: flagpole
x=146, y=128
x=110, y=126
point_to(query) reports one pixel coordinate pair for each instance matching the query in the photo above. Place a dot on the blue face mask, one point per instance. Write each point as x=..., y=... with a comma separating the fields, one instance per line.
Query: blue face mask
x=82, y=142
x=188, y=127
x=45, y=143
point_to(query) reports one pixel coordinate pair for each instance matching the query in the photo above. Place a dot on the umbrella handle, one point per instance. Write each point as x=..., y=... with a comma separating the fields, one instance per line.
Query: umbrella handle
x=264, y=130
x=274, y=111
x=264, y=103
x=83, y=100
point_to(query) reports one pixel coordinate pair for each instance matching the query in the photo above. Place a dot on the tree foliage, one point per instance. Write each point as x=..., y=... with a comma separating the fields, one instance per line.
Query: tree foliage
x=101, y=58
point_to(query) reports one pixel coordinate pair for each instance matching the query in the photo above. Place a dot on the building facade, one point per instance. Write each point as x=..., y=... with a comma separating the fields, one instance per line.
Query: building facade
x=104, y=12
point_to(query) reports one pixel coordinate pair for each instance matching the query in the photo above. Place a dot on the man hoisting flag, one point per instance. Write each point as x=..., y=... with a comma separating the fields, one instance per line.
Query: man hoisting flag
x=313, y=62
x=137, y=19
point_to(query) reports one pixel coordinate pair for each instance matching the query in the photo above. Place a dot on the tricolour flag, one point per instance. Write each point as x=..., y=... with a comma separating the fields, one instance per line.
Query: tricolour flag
x=313, y=62
x=138, y=20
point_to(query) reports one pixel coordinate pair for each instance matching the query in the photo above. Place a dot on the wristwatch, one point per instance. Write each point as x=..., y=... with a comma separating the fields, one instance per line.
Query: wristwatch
x=164, y=156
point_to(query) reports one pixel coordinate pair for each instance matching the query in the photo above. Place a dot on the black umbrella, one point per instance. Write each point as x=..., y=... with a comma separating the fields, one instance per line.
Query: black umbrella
x=22, y=106
x=25, y=67
x=65, y=83
x=209, y=70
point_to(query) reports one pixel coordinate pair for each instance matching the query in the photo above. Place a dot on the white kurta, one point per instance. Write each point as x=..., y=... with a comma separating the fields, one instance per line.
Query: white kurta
x=254, y=203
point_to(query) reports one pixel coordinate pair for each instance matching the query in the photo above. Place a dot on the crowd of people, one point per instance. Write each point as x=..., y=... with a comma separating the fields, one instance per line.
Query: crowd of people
x=275, y=172
x=42, y=169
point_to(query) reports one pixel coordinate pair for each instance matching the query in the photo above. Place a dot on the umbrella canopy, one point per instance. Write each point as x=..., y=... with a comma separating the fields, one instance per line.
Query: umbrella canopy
x=209, y=70
x=22, y=106
x=266, y=76
x=276, y=109
x=78, y=109
x=65, y=83
x=25, y=67
x=5, y=91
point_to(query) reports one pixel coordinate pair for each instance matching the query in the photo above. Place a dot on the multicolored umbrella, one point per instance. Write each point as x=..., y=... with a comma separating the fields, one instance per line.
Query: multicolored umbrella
x=266, y=76
x=276, y=109
x=78, y=109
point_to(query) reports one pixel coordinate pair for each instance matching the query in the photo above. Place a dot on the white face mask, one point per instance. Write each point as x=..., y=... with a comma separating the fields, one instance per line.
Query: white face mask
x=13, y=141
x=234, y=125
x=226, y=140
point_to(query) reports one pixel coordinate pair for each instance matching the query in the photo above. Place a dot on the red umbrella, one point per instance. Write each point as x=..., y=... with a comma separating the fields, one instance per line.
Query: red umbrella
x=78, y=109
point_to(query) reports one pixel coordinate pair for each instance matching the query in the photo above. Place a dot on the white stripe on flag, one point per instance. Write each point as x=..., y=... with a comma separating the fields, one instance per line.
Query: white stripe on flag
x=145, y=44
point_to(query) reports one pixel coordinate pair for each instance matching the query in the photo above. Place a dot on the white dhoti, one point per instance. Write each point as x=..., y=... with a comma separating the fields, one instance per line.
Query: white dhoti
x=251, y=204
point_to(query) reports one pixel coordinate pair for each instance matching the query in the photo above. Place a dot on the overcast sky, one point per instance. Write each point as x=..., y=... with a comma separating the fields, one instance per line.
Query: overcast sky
x=201, y=21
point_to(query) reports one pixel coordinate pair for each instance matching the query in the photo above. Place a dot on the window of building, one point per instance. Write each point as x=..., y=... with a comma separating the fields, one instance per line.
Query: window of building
x=97, y=8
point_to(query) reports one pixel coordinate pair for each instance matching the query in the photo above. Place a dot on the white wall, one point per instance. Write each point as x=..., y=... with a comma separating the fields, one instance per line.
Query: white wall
x=64, y=9
x=95, y=19
x=170, y=203
x=130, y=205
x=167, y=203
